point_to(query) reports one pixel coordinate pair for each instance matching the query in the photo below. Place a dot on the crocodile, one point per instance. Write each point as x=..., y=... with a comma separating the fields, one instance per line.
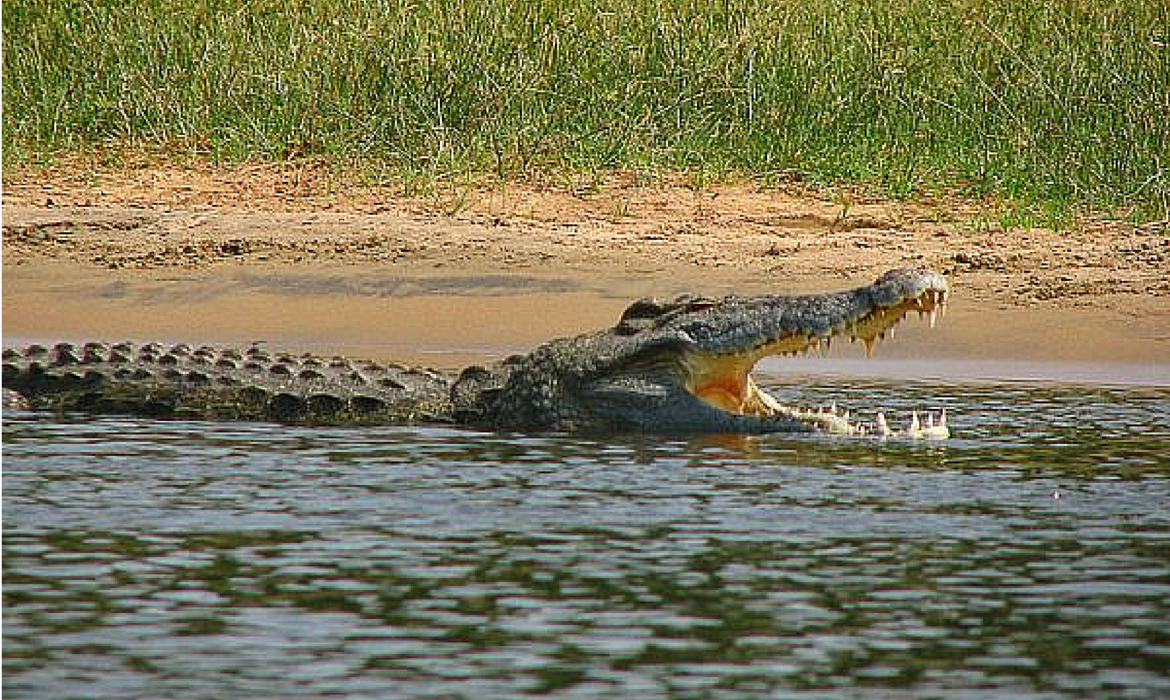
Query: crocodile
x=679, y=366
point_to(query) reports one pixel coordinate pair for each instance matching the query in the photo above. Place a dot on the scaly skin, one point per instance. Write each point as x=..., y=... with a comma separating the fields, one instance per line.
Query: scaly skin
x=674, y=367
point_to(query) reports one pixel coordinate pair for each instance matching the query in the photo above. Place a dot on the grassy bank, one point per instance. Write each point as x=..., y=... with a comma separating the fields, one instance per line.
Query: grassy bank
x=1056, y=104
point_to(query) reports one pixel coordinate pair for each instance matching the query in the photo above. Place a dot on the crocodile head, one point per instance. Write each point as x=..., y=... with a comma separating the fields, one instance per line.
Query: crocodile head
x=685, y=365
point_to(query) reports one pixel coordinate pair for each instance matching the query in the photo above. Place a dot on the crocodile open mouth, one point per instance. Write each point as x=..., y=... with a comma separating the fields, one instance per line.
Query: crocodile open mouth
x=724, y=381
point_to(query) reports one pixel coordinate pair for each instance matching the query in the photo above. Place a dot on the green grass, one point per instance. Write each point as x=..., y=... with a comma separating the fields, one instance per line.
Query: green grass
x=1050, y=104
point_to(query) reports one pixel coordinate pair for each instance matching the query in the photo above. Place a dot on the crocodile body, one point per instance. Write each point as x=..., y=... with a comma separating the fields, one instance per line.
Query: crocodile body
x=678, y=366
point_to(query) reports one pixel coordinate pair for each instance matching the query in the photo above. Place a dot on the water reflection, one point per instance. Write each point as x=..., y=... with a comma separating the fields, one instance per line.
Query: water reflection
x=1029, y=556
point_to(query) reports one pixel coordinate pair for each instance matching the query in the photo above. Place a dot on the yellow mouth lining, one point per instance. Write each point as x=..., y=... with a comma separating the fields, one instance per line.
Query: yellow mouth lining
x=725, y=382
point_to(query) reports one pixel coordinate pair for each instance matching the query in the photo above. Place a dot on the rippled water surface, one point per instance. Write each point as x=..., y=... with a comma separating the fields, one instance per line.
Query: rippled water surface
x=1027, y=557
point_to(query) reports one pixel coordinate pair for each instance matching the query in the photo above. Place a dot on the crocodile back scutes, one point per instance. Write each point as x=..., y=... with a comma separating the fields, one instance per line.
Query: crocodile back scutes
x=209, y=382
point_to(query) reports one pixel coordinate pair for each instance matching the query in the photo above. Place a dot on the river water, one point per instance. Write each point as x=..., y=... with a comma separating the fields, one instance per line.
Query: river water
x=1026, y=557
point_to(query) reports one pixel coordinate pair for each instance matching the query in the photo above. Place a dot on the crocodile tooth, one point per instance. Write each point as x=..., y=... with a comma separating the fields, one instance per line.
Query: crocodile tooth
x=869, y=343
x=883, y=428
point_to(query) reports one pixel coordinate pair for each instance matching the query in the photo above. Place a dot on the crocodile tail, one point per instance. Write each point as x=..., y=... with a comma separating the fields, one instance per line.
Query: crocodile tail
x=217, y=383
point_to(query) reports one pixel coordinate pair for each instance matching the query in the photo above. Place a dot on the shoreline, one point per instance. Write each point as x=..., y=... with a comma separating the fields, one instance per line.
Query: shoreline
x=213, y=255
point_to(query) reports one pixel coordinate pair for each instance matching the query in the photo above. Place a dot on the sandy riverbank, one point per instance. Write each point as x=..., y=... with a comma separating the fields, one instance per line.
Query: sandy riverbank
x=298, y=257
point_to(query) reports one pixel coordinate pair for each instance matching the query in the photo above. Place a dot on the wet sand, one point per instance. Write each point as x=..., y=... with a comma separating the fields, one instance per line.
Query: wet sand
x=238, y=256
